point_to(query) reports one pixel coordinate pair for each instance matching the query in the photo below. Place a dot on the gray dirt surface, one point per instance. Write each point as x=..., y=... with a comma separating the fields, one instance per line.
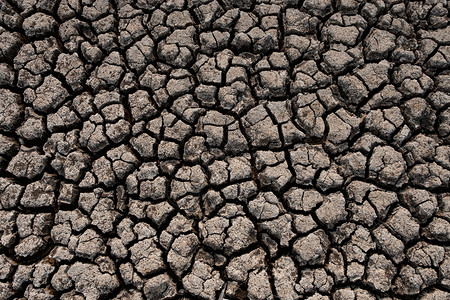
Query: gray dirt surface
x=224, y=149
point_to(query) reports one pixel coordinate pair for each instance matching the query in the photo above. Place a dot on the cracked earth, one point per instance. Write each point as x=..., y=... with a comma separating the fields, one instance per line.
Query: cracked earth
x=218, y=149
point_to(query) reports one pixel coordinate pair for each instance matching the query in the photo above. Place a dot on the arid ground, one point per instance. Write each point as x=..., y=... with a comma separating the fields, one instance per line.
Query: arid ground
x=220, y=149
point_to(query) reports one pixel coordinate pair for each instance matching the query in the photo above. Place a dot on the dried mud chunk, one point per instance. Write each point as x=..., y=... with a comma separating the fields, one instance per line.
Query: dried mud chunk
x=263, y=41
x=160, y=287
x=311, y=250
x=75, y=165
x=108, y=73
x=307, y=160
x=443, y=156
x=42, y=293
x=212, y=232
x=375, y=75
x=90, y=282
x=259, y=287
x=213, y=41
x=352, y=165
x=40, y=193
x=203, y=281
x=241, y=234
x=83, y=105
x=140, y=54
x=392, y=246
x=104, y=215
x=329, y=179
x=8, y=228
x=342, y=294
x=280, y=228
x=181, y=253
x=178, y=47
x=421, y=203
x=72, y=68
x=188, y=180
x=444, y=271
x=332, y=210
x=30, y=246
x=89, y=244
x=308, y=78
x=380, y=272
x=239, y=168
x=409, y=282
x=378, y=44
x=9, y=193
x=309, y=115
x=11, y=42
x=438, y=229
x=402, y=223
x=387, y=97
x=102, y=169
x=304, y=224
x=118, y=131
x=285, y=278
x=61, y=280
x=424, y=254
x=299, y=23
x=384, y=123
x=387, y=166
x=10, y=110
x=303, y=200
x=282, y=113
x=194, y=148
x=178, y=131
x=335, y=61
x=9, y=146
x=239, y=267
x=412, y=80
x=147, y=257
x=50, y=95
x=219, y=173
x=274, y=83
x=359, y=245
x=212, y=126
x=260, y=128
x=123, y=161
x=429, y=176
x=354, y=89
x=319, y=8
x=153, y=189
x=141, y=105
x=93, y=10
x=382, y=201
x=435, y=294
x=300, y=46
x=28, y=163
x=209, y=73
x=144, y=145
x=92, y=136
x=343, y=126
x=64, y=118
x=419, y=115
x=336, y=266
x=265, y=206
x=347, y=30
x=39, y=24
x=187, y=109
x=315, y=280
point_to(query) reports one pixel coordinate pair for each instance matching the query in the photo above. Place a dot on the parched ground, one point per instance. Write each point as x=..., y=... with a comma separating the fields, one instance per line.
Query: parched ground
x=220, y=149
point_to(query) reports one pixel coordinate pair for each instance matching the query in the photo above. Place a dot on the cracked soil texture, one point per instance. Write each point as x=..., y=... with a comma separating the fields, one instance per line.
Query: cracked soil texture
x=224, y=149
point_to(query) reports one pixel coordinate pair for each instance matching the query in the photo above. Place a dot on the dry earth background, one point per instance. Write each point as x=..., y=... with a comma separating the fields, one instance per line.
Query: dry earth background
x=224, y=149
